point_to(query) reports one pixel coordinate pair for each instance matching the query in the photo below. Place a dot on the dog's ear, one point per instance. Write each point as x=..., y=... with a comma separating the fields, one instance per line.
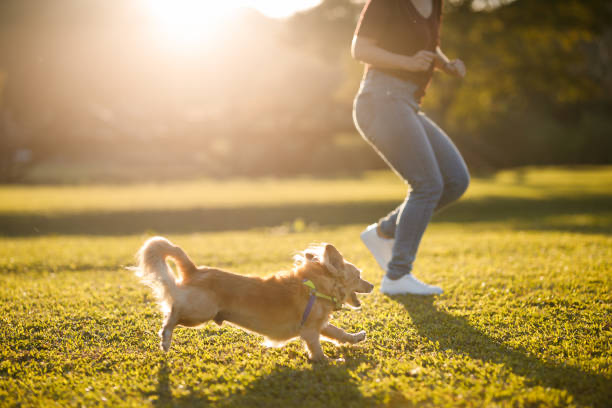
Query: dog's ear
x=311, y=257
x=332, y=259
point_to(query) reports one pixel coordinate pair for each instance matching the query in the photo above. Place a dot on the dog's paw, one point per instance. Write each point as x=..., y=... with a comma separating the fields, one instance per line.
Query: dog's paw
x=319, y=359
x=326, y=361
x=164, y=346
x=359, y=337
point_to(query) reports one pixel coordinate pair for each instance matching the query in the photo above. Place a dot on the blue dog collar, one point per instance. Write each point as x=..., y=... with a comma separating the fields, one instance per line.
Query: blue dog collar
x=308, y=308
x=313, y=296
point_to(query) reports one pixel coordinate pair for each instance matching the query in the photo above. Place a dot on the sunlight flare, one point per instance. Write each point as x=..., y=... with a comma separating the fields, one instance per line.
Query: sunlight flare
x=189, y=22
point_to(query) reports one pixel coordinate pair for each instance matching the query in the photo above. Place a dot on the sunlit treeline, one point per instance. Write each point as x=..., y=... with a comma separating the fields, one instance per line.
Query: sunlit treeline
x=86, y=81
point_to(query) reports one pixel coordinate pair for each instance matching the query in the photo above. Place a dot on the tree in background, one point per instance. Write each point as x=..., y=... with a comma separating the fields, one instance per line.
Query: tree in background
x=91, y=83
x=539, y=84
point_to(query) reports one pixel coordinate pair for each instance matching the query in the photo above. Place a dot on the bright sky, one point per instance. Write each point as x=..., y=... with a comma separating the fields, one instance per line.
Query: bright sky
x=186, y=23
x=279, y=8
x=271, y=8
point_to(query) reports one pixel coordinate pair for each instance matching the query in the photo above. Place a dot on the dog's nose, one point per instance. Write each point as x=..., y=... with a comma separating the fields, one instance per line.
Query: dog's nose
x=368, y=287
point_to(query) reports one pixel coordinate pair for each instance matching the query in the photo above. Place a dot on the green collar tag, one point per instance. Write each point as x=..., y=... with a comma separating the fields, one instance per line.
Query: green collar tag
x=313, y=290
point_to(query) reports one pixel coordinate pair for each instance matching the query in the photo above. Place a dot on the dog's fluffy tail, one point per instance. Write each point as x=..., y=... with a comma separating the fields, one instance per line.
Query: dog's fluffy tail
x=156, y=273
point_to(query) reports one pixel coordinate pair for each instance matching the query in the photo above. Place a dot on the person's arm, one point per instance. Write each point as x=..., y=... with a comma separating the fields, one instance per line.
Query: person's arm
x=366, y=50
x=454, y=67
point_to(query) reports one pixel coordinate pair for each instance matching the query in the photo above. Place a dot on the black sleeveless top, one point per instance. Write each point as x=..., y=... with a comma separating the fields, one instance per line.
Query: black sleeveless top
x=398, y=27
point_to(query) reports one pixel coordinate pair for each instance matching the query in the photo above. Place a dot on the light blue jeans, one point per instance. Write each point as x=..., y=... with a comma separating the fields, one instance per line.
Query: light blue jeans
x=388, y=117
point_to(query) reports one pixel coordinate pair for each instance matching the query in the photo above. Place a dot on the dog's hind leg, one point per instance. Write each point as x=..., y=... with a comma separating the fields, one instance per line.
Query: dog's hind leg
x=336, y=333
x=166, y=331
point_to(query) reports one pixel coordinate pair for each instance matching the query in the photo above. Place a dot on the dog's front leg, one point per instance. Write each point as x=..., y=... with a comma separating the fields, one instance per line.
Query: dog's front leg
x=313, y=341
x=166, y=331
x=336, y=333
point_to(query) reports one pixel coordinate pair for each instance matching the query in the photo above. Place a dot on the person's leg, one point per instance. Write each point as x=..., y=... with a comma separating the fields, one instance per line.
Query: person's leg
x=398, y=135
x=452, y=166
x=453, y=169
x=421, y=171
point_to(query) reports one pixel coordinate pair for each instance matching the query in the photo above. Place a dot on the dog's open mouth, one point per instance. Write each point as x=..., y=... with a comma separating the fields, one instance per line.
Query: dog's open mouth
x=354, y=301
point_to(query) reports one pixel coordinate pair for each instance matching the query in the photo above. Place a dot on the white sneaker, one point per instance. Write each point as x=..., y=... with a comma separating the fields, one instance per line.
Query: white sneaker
x=408, y=284
x=381, y=248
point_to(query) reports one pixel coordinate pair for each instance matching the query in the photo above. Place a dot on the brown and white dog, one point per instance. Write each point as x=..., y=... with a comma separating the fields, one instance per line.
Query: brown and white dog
x=281, y=307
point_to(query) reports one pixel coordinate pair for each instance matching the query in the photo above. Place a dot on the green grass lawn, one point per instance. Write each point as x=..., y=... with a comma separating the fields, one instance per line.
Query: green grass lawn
x=525, y=260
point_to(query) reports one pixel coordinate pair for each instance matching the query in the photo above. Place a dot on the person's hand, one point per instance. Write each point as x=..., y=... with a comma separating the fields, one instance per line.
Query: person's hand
x=456, y=68
x=421, y=61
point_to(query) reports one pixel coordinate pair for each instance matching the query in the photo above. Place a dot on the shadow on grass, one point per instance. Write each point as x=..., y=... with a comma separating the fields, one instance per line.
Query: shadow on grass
x=518, y=213
x=324, y=385
x=163, y=391
x=455, y=333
